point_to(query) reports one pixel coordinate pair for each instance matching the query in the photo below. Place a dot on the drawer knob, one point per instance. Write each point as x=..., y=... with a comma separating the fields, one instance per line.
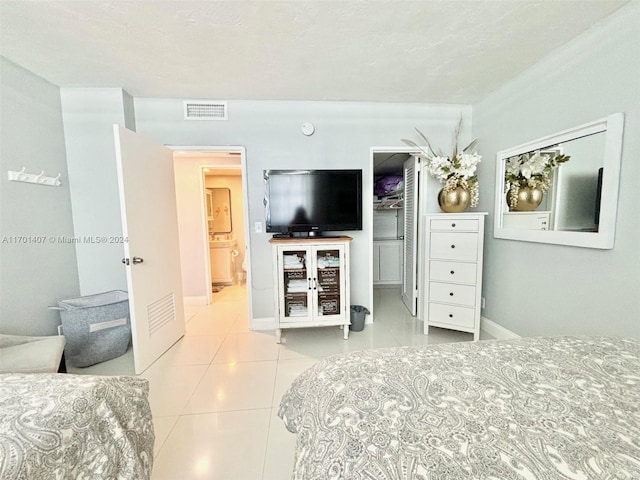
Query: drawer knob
x=453, y=246
x=451, y=315
x=451, y=294
x=453, y=225
x=452, y=272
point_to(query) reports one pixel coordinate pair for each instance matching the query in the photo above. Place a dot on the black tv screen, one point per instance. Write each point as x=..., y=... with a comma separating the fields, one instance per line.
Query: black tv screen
x=313, y=200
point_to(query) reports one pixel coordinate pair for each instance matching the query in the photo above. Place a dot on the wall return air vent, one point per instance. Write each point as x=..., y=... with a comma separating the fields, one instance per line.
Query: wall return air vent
x=205, y=110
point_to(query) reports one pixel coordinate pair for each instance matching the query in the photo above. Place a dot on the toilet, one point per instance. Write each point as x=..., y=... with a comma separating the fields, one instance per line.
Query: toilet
x=242, y=276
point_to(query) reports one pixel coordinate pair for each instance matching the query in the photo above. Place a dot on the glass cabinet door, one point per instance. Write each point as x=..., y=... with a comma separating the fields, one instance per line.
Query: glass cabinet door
x=328, y=265
x=296, y=284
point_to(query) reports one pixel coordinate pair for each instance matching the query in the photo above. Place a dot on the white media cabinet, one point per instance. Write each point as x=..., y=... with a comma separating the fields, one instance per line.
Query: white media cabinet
x=311, y=283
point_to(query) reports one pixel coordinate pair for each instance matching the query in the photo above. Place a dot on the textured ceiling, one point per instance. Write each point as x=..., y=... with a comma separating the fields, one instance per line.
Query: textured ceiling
x=445, y=51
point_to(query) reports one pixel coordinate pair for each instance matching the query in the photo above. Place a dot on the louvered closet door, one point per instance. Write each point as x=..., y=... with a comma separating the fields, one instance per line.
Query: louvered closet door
x=410, y=260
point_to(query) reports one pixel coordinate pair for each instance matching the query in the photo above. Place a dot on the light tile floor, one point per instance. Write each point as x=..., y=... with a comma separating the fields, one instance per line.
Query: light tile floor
x=215, y=394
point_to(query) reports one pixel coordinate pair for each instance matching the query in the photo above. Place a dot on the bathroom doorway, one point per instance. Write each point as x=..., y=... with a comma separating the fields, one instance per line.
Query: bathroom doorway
x=224, y=204
x=198, y=171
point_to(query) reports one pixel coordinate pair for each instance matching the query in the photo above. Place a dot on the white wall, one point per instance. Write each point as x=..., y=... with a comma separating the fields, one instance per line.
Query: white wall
x=539, y=289
x=270, y=132
x=33, y=275
x=89, y=115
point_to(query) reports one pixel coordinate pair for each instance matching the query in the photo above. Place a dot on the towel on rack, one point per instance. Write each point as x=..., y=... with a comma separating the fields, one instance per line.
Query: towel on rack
x=292, y=262
x=297, y=286
x=297, y=311
x=328, y=262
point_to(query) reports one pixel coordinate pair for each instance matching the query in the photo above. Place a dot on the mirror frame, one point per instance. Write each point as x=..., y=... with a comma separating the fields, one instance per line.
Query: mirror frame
x=613, y=126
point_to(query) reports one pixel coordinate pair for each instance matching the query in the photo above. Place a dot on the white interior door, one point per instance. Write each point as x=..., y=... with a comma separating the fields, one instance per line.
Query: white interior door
x=152, y=254
x=410, y=260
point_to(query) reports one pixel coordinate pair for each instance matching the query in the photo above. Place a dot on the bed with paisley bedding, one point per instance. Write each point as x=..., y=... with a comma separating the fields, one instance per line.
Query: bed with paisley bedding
x=534, y=408
x=57, y=426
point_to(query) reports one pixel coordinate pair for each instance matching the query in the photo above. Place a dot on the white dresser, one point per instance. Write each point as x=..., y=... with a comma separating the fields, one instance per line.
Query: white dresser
x=528, y=220
x=453, y=273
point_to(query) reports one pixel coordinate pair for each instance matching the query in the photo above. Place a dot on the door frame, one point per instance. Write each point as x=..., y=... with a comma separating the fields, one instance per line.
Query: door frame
x=205, y=226
x=369, y=213
x=203, y=213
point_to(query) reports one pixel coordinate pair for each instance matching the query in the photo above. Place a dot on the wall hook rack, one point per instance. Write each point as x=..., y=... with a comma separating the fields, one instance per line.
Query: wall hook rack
x=41, y=179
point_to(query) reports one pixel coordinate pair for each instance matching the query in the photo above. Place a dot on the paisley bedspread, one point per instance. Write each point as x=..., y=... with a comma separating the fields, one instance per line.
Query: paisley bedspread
x=57, y=426
x=535, y=408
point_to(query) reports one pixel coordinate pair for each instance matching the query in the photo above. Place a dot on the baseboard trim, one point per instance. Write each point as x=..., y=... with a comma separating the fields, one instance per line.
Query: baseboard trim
x=266, y=323
x=489, y=326
x=496, y=330
x=195, y=300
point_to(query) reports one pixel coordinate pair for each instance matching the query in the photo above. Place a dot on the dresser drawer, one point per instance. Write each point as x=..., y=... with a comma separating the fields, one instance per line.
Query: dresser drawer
x=452, y=293
x=457, y=272
x=451, y=315
x=454, y=246
x=454, y=225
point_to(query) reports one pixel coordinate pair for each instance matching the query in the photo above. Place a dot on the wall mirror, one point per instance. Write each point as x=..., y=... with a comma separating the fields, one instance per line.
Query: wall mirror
x=575, y=176
x=220, y=210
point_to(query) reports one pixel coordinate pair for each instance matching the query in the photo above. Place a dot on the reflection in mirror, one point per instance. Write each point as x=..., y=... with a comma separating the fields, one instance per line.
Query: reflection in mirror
x=527, y=178
x=563, y=188
x=565, y=193
x=578, y=185
x=221, y=210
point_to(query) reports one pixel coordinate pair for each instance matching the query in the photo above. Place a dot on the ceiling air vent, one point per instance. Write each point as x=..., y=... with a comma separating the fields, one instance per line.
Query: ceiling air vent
x=204, y=110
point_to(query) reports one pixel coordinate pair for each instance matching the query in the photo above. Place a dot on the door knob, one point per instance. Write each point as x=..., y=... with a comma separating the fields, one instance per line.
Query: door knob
x=135, y=260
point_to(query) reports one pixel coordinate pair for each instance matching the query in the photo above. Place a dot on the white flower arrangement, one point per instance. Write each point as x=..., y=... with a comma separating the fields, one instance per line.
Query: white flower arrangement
x=531, y=169
x=457, y=170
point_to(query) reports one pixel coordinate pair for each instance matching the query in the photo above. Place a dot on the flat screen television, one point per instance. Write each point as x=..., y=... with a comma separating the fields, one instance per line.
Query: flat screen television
x=309, y=202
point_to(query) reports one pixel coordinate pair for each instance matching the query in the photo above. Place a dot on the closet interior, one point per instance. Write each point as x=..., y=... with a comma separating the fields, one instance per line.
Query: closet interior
x=388, y=219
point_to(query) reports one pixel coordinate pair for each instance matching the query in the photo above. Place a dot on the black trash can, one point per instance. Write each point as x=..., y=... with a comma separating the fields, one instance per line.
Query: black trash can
x=358, y=312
